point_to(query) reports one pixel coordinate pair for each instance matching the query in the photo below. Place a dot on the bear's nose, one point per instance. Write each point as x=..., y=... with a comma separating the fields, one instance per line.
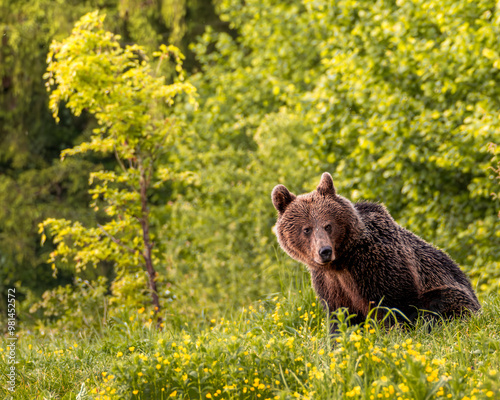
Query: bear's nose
x=325, y=253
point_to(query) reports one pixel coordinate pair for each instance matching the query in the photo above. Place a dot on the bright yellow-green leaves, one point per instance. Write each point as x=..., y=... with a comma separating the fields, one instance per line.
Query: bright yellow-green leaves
x=91, y=72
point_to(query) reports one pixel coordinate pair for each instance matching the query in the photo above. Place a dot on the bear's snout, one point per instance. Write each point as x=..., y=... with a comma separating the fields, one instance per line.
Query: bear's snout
x=326, y=254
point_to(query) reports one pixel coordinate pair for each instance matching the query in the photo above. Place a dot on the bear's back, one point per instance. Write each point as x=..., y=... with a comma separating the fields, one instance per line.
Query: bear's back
x=378, y=222
x=433, y=265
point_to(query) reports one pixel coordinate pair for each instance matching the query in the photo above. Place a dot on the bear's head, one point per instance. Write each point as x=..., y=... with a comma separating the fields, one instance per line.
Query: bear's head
x=315, y=228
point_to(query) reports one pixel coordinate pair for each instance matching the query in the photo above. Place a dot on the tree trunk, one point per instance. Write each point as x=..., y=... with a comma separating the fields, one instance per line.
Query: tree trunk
x=148, y=245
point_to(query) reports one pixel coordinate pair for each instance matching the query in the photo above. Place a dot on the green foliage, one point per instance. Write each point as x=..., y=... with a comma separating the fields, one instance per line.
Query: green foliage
x=129, y=292
x=32, y=187
x=276, y=348
x=495, y=168
x=82, y=306
x=29, y=197
x=166, y=21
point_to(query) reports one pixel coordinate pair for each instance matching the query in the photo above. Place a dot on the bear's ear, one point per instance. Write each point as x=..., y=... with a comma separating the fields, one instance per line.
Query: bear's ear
x=282, y=198
x=325, y=187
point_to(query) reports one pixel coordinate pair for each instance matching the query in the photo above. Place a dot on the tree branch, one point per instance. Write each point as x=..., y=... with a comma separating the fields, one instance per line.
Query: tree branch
x=117, y=241
x=119, y=160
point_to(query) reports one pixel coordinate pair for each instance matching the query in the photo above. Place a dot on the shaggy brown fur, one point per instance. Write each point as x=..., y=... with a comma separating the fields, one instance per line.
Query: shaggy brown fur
x=359, y=257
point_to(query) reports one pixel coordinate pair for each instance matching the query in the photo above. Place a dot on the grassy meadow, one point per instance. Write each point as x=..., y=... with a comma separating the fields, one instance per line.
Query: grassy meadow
x=276, y=348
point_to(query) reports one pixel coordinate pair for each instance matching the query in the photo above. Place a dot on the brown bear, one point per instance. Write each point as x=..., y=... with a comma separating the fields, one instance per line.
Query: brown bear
x=360, y=258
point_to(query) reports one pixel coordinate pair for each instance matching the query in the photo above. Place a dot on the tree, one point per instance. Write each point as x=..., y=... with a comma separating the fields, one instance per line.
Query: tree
x=90, y=71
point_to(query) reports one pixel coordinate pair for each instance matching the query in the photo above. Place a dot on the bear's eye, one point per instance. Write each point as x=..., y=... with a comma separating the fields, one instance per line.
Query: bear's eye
x=328, y=228
x=307, y=231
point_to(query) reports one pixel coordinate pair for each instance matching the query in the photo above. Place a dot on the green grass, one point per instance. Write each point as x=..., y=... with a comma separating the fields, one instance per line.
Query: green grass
x=278, y=348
